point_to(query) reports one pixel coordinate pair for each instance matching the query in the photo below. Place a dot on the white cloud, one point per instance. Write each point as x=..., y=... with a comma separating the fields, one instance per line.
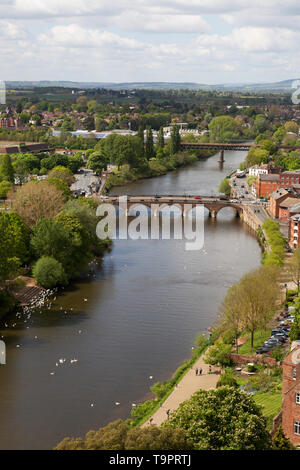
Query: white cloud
x=118, y=40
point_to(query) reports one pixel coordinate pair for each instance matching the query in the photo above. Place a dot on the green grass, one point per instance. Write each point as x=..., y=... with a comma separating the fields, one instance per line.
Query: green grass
x=271, y=405
x=260, y=336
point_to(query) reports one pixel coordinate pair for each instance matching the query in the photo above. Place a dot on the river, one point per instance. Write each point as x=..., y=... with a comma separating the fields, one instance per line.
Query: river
x=134, y=317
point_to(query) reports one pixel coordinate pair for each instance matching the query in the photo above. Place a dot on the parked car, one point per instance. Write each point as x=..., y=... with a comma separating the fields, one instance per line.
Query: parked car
x=197, y=197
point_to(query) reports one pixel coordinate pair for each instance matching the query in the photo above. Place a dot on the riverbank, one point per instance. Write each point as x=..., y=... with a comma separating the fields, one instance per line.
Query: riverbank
x=156, y=167
x=183, y=391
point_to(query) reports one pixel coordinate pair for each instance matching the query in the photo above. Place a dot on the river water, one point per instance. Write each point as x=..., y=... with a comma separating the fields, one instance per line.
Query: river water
x=135, y=317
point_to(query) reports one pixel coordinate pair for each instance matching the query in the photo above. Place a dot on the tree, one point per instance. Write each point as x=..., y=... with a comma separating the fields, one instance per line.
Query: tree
x=119, y=436
x=291, y=126
x=48, y=272
x=61, y=185
x=219, y=354
x=175, y=140
x=157, y=438
x=161, y=139
x=259, y=293
x=294, y=268
x=37, y=199
x=260, y=123
x=6, y=169
x=5, y=187
x=63, y=173
x=222, y=419
x=14, y=244
x=97, y=162
x=222, y=128
x=231, y=311
x=224, y=187
x=75, y=162
x=281, y=442
x=140, y=134
x=149, y=148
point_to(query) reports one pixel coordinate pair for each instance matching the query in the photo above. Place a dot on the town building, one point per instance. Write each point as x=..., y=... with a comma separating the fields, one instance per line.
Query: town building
x=276, y=198
x=294, y=224
x=291, y=394
x=264, y=185
x=284, y=207
x=287, y=179
x=258, y=170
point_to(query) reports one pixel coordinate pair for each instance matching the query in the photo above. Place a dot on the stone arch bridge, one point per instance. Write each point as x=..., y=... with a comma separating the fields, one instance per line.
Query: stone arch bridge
x=157, y=203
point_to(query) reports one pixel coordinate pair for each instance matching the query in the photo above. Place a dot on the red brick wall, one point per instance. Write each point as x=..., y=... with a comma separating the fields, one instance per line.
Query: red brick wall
x=241, y=359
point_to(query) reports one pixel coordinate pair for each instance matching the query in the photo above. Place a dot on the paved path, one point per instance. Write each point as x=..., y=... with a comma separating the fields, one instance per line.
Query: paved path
x=185, y=389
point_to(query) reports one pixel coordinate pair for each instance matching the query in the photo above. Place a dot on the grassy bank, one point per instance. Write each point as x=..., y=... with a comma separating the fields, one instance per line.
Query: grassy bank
x=156, y=167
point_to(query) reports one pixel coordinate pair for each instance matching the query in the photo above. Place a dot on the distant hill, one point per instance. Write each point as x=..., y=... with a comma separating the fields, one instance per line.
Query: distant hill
x=283, y=86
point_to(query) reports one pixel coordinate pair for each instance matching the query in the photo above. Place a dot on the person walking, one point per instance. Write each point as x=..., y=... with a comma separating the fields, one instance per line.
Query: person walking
x=168, y=413
x=196, y=371
x=200, y=371
x=209, y=370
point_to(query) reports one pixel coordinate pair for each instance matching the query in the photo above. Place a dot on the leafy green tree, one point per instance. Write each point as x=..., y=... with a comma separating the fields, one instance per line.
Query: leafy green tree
x=219, y=354
x=14, y=244
x=260, y=123
x=5, y=187
x=62, y=173
x=79, y=252
x=149, y=148
x=140, y=134
x=161, y=139
x=157, y=438
x=119, y=436
x=97, y=162
x=75, y=162
x=281, y=442
x=175, y=140
x=61, y=185
x=222, y=128
x=222, y=419
x=48, y=272
x=6, y=169
x=224, y=187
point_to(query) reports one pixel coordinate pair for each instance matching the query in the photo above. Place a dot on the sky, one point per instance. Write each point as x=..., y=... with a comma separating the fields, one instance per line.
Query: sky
x=202, y=41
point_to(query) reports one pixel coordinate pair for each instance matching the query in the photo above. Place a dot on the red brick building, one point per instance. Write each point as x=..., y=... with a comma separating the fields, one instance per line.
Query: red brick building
x=287, y=179
x=285, y=206
x=291, y=394
x=294, y=224
x=266, y=184
x=276, y=198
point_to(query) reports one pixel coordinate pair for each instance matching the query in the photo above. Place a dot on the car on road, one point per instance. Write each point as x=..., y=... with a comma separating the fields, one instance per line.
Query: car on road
x=197, y=197
x=104, y=197
x=234, y=200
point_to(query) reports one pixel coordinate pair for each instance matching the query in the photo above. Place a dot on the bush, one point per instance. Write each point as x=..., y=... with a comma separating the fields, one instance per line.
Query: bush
x=48, y=272
x=5, y=187
x=227, y=379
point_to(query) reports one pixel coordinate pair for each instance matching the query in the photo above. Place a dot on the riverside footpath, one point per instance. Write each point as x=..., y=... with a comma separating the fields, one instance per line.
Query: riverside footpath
x=189, y=384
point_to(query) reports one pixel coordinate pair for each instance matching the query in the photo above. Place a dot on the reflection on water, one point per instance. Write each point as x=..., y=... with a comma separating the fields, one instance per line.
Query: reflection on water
x=134, y=317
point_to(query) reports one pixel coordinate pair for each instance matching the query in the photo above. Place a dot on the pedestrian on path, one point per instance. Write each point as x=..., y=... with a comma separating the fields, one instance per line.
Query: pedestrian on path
x=209, y=370
x=168, y=413
x=200, y=371
x=196, y=371
x=150, y=420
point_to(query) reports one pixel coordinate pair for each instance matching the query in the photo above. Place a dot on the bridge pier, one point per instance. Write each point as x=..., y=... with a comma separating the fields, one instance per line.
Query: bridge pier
x=213, y=214
x=221, y=156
